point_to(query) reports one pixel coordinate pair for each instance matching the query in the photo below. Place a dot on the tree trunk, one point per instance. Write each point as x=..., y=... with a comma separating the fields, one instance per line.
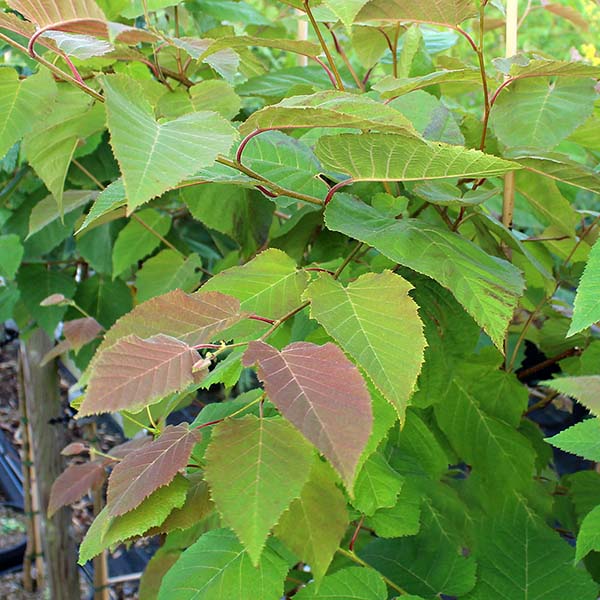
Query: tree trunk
x=42, y=395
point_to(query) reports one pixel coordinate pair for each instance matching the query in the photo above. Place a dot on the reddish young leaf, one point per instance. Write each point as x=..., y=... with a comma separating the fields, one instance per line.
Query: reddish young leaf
x=80, y=332
x=322, y=393
x=150, y=467
x=134, y=373
x=74, y=448
x=122, y=450
x=55, y=352
x=191, y=318
x=74, y=482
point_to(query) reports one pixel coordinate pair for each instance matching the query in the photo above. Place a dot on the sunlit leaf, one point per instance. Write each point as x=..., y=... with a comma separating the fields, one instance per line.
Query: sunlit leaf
x=582, y=439
x=386, y=157
x=487, y=287
x=357, y=583
x=585, y=389
x=153, y=156
x=255, y=468
x=439, y=12
x=315, y=523
x=322, y=393
x=586, y=310
x=391, y=87
x=217, y=567
x=387, y=343
x=149, y=468
x=133, y=373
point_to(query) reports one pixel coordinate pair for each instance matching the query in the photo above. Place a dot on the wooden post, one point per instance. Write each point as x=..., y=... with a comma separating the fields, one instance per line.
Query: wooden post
x=43, y=403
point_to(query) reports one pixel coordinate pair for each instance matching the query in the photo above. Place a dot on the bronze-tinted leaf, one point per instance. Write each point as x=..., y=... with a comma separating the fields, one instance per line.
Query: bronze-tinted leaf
x=80, y=332
x=134, y=373
x=74, y=482
x=150, y=467
x=74, y=448
x=122, y=450
x=322, y=393
x=191, y=318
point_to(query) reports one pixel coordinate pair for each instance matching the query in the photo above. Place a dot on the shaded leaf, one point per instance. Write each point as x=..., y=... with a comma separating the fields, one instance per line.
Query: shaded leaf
x=487, y=287
x=167, y=271
x=146, y=149
x=133, y=373
x=149, y=468
x=74, y=482
x=522, y=559
x=315, y=523
x=322, y=393
x=217, y=567
x=47, y=211
x=377, y=323
x=79, y=332
x=377, y=485
x=135, y=241
x=255, y=468
x=11, y=251
x=386, y=157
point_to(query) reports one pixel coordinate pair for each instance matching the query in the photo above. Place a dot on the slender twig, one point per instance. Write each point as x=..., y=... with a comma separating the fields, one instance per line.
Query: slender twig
x=525, y=373
x=347, y=260
x=91, y=176
x=157, y=235
x=481, y=60
x=315, y=25
x=335, y=188
x=237, y=412
x=359, y=561
x=355, y=534
x=340, y=50
x=283, y=319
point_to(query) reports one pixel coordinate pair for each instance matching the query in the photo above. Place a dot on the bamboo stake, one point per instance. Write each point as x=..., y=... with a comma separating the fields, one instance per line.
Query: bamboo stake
x=26, y=462
x=37, y=524
x=512, y=27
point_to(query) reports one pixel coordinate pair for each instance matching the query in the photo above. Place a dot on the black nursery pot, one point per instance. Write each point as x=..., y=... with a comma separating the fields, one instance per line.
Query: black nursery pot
x=11, y=557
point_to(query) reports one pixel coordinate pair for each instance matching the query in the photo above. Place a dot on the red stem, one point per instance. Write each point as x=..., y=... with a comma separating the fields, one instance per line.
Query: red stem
x=263, y=319
x=335, y=188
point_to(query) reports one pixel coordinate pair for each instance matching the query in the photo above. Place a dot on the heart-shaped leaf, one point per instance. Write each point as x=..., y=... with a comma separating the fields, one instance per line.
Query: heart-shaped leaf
x=154, y=156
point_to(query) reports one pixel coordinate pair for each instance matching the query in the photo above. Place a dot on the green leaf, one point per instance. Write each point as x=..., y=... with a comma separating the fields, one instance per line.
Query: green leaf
x=377, y=485
x=217, y=567
x=269, y=285
x=108, y=200
x=358, y=583
x=495, y=450
x=444, y=193
x=328, y=109
x=522, y=559
x=520, y=66
x=153, y=156
x=315, y=523
x=78, y=45
x=135, y=241
x=36, y=283
x=47, y=211
x=438, y=12
x=585, y=389
x=11, y=251
x=22, y=104
x=255, y=468
x=423, y=565
x=535, y=113
x=322, y=393
x=588, y=538
x=107, y=531
x=377, y=323
x=241, y=213
x=586, y=309
x=9, y=296
x=167, y=271
x=386, y=157
x=104, y=299
x=50, y=146
x=557, y=166
x=582, y=439
x=487, y=287
x=287, y=162
x=391, y=87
